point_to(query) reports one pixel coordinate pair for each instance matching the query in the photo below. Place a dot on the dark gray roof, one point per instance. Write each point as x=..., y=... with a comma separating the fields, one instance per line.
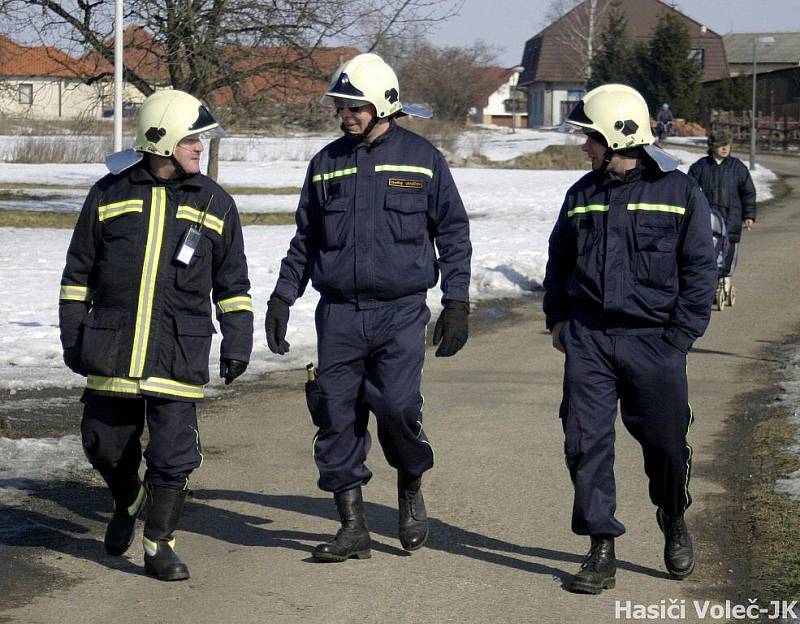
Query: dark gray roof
x=786, y=49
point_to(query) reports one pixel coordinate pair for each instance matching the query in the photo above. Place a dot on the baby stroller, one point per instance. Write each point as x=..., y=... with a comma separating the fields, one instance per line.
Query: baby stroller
x=725, y=293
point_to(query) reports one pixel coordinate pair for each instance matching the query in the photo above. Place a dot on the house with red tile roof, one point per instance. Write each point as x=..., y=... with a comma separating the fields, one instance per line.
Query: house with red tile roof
x=41, y=82
x=501, y=100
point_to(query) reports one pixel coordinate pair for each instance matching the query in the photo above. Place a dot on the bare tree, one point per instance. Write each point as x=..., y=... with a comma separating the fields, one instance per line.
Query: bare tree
x=450, y=80
x=244, y=52
x=580, y=23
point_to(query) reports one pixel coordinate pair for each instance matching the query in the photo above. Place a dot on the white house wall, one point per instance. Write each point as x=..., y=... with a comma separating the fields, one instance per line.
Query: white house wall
x=52, y=98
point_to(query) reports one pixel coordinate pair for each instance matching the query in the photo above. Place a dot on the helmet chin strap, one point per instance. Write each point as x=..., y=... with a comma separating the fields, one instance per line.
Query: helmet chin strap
x=178, y=168
x=606, y=160
x=362, y=135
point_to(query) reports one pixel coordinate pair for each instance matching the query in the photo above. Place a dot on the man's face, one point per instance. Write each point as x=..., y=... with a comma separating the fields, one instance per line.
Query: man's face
x=721, y=151
x=595, y=150
x=188, y=152
x=355, y=115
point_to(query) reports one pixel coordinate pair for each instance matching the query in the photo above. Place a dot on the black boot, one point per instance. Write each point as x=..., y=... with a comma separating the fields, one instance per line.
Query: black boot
x=598, y=569
x=678, y=550
x=413, y=518
x=352, y=540
x=119, y=533
x=164, y=509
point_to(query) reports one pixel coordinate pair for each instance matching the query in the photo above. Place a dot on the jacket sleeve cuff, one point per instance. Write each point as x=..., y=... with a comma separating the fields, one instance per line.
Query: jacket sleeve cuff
x=287, y=297
x=679, y=339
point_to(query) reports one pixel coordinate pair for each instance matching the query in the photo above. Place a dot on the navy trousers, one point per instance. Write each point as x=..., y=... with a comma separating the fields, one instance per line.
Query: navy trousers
x=647, y=376
x=369, y=361
x=111, y=429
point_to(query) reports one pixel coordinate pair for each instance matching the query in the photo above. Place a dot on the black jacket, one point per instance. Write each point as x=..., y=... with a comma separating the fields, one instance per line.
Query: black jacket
x=367, y=220
x=729, y=186
x=633, y=256
x=142, y=320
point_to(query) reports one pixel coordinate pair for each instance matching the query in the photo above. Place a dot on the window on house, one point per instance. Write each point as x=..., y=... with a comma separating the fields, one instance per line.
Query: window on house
x=25, y=93
x=699, y=55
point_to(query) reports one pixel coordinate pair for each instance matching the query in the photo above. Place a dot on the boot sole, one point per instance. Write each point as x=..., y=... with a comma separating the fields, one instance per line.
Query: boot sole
x=180, y=576
x=331, y=558
x=589, y=588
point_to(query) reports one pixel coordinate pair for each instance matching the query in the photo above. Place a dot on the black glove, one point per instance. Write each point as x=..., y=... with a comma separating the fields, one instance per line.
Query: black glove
x=275, y=324
x=452, y=328
x=231, y=369
x=72, y=358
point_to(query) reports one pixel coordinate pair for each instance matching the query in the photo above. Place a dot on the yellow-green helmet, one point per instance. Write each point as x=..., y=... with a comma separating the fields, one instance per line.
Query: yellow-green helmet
x=167, y=117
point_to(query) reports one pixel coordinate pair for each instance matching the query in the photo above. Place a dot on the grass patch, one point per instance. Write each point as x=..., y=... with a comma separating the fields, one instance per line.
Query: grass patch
x=8, y=190
x=267, y=218
x=774, y=517
x=558, y=157
x=66, y=220
x=263, y=190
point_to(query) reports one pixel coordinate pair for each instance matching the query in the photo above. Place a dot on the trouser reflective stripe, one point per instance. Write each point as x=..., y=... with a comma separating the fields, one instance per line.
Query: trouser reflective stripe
x=648, y=378
x=374, y=356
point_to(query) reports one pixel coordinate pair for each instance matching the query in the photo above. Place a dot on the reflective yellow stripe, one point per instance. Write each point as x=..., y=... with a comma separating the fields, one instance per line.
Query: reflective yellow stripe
x=161, y=385
x=113, y=384
x=334, y=174
x=585, y=209
x=109, y=211
x=170, y=386
x=235, y=304
x=147, y=287
x=404, y=169
x=193, y=215
x=658, y=208
x=133, y=508
x=686, y=494
x=151, y=547
x=75, y=293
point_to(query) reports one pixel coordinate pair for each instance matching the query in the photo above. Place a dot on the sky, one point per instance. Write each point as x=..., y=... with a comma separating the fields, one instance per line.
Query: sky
x=522, y=19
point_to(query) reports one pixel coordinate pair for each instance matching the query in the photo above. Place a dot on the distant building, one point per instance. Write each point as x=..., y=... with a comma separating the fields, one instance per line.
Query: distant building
x=782, y=53
x=39, y=82
x=497, y=106
x=554, y=75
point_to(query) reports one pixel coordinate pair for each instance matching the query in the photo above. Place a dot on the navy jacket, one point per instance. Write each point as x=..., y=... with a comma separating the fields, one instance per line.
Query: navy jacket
x=729, y=186
x=142, y=320
x=367, y=220
x=633, y=256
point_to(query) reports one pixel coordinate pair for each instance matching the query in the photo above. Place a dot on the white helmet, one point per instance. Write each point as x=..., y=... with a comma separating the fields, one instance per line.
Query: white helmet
x=620, y=115
x=368, y=78
x=166, y=117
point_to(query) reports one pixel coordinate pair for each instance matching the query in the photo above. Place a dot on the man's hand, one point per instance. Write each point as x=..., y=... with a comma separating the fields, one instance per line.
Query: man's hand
x=275, y=324
x=452, y=328
x=72, y=358
x=748, y=224
x=556, y=336
x=231, y=369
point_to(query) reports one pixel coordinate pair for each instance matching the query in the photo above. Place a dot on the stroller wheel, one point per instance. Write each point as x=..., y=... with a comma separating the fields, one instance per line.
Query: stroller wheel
x=732, y=296
x=719, y=296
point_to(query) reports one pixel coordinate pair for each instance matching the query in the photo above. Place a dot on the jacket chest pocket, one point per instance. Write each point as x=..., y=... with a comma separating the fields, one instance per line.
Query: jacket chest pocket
x=122, y=226
x=196, y=276
x=587, y=235
x=334, y=223
x=656, y=244
x=407, y=217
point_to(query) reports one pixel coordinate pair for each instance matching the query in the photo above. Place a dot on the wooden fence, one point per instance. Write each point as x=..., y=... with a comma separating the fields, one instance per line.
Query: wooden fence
x=773, y=132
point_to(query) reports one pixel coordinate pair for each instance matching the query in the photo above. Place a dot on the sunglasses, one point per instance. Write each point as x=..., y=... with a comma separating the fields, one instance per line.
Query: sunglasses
x=352, y=107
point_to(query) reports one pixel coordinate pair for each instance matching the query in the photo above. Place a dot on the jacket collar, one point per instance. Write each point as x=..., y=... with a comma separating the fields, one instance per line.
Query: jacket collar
x=141, y=174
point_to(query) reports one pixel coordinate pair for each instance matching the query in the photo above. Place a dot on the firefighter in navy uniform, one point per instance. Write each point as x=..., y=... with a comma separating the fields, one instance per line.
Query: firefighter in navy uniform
x=153, y=240
x=374, y=203
x=628, y=288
